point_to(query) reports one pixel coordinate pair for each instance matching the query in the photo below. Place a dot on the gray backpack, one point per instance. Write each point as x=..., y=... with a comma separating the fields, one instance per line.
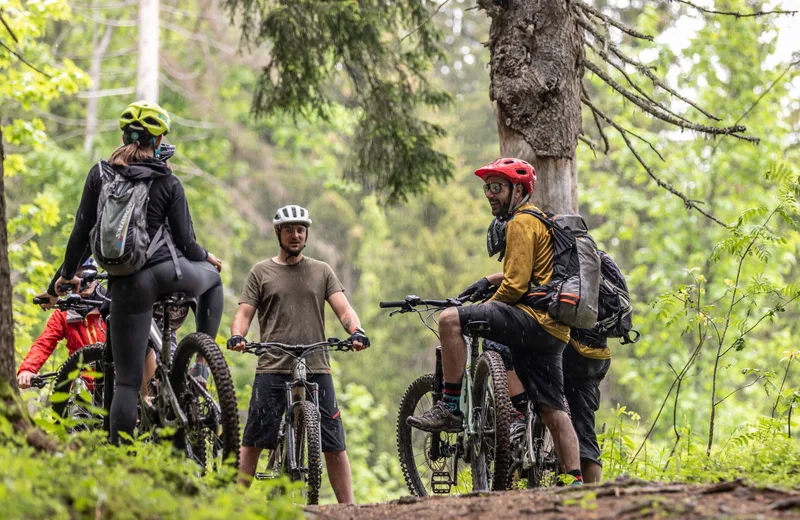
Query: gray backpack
x=572, y=295
x=119, y=238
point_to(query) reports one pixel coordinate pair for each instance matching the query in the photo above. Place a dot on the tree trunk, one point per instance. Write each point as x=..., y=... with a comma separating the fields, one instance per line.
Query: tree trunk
x=8, y=364
x=148, y=66
x=536, y=74
x=95, y=68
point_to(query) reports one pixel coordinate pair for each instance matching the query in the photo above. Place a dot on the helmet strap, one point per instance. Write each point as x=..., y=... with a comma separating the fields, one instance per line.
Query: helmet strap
x=511, y=207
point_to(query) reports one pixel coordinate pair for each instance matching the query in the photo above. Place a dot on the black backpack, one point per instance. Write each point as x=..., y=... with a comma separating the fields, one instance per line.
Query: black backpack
x=571, y=297
x=615, y=312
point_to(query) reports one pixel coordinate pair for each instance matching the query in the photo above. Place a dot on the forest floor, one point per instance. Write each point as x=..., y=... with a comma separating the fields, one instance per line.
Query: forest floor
x=619, y=500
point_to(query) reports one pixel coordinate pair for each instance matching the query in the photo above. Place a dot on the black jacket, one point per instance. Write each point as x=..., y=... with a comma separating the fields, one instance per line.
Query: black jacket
x=167, y=205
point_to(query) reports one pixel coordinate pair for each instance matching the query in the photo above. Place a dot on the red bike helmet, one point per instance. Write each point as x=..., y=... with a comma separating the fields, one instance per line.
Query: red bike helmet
x=515, y=171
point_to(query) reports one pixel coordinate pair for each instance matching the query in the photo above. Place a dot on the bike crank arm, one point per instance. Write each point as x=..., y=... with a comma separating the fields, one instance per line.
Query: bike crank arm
x=180, y=417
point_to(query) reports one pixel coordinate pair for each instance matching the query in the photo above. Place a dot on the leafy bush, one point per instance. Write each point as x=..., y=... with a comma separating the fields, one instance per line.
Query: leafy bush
x=88, y=478
x=761, y=452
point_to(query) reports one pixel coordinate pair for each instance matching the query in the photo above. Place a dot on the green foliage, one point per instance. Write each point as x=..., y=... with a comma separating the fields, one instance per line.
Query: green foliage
x=760, y=452
x=312, y=41
x=87, y=478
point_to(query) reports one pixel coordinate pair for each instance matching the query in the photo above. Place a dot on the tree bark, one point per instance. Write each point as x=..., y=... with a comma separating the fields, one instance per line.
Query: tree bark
x=148, y=66
x=95, y=68
x=8, y=364
x=536, y=51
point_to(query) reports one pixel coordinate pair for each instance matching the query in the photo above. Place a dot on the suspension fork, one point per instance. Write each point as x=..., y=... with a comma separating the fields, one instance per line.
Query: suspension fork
x=438, y=385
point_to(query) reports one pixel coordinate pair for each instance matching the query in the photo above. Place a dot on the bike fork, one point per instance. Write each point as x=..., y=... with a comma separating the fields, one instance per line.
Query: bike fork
x=438, y=385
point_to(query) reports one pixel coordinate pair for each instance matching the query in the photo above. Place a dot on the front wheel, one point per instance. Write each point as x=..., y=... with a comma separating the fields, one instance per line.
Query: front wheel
x=211, y=437
x=307, y=452
x=491, y=455
x=78, y=391
x=429, y=460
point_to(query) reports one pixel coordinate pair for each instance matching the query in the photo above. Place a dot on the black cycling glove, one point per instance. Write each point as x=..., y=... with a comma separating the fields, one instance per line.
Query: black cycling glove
x=235, y=340
x=360, y=336
x=476, y=290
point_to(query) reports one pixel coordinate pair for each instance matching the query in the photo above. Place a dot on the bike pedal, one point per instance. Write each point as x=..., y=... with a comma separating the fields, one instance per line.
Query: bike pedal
x=441, y=483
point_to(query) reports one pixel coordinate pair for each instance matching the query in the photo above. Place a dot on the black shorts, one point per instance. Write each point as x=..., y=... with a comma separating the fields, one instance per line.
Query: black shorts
x=268, y=403
x=582, y=376
x=536, y=353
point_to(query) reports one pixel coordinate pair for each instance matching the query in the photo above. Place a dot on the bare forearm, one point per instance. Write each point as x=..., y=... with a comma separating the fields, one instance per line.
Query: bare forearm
x=496, y=278
x=350, y=321
x=240, y=325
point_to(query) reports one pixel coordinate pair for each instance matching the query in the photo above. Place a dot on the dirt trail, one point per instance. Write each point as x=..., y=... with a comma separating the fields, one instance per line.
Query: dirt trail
x=620, y=500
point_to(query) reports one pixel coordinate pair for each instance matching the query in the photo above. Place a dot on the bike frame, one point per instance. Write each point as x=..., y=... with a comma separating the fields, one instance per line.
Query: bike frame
x=465, y=438
x=295, y=392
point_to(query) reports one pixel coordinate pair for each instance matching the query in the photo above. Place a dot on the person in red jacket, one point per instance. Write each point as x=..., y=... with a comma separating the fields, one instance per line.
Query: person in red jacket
x=79, y=330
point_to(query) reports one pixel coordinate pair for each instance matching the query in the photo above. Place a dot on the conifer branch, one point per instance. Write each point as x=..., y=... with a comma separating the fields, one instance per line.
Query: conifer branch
x=633, y=84
x=640, y=67
x=654, y=111
x=732, y=13
x=610, y=21
x=428, y=19
x=588, y=142
x=688, y=203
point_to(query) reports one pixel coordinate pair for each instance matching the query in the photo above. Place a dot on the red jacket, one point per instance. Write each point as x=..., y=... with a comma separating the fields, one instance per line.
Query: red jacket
x=77, y=333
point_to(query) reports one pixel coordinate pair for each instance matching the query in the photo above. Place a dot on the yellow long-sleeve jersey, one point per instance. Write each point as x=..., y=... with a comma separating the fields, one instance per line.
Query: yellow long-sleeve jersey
x=528, y=257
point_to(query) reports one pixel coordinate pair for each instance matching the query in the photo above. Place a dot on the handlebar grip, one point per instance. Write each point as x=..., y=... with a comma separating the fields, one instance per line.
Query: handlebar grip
x=395, y=303
x=38, y=300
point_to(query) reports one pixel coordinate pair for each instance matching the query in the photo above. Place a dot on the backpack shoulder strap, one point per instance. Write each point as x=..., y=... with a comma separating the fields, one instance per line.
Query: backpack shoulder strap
x=162, y=237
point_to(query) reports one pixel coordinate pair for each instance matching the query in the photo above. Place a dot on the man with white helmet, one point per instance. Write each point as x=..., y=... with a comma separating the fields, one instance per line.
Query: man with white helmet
x=289, y=291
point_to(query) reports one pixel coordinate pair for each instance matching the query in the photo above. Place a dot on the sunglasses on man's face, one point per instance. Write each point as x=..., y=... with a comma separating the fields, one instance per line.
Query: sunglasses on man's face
x=494, y=187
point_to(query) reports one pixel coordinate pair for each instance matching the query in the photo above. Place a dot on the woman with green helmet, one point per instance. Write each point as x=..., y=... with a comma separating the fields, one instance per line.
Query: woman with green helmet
x=192, y=270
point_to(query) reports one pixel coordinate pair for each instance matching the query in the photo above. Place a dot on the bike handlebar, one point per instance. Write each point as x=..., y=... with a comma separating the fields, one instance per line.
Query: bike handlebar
x=71, y=301
x=412, y=301
x=41, y=380
x=338, y=344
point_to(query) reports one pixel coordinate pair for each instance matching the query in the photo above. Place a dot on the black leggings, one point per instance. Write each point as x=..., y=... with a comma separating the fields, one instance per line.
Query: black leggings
x=132, y=299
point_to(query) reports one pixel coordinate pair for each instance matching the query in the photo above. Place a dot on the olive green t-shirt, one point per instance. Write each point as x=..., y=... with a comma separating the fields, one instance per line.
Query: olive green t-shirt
x=290, y=300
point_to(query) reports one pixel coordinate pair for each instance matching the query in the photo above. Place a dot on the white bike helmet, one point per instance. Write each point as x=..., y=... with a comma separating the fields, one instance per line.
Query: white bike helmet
x=292, y=214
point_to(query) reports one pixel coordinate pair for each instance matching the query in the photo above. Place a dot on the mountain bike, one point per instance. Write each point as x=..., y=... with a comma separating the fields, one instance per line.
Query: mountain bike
x=431, y=461
x=203, y=414
x=298, y=451
x=77, y=395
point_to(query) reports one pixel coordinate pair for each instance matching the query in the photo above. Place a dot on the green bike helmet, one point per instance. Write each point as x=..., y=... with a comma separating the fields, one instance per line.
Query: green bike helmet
x=148, y=116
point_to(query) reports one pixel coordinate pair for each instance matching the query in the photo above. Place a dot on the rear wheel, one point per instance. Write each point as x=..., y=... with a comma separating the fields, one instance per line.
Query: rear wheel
x=491, y=447
x=426, y=474
x=78, y=390
x=211, y=437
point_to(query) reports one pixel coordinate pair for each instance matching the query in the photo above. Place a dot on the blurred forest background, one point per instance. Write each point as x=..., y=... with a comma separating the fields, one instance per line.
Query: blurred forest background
x=690, y=278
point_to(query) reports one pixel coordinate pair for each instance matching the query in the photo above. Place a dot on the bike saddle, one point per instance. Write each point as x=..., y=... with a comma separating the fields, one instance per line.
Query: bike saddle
x=177, y=299
x=475, y=327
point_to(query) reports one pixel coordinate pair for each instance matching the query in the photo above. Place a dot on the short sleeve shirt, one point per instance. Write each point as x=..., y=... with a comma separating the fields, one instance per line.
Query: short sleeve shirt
x=290, y=300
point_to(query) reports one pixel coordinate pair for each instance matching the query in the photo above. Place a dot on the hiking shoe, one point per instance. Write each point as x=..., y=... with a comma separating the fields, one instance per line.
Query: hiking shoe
x=518, y=427
x=438, y=419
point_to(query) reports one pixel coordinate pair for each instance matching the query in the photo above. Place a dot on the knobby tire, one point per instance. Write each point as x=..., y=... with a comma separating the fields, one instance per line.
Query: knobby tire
x=490, y=366
x=308, y=450
x=90, y=354
x=194, y=442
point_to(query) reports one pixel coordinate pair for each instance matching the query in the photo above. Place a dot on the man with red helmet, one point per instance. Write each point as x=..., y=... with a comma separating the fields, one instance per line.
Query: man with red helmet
x=536, y=340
